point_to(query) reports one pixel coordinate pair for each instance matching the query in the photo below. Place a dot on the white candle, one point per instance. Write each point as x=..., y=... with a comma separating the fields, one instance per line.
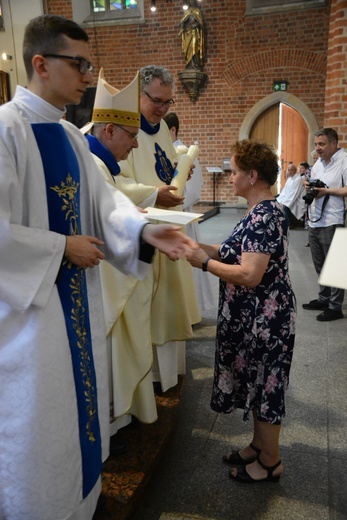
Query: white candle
x=181, y=149
x=181, y=173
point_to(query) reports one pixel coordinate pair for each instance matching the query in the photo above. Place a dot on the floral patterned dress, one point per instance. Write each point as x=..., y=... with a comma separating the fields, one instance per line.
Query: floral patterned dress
x=256, y=326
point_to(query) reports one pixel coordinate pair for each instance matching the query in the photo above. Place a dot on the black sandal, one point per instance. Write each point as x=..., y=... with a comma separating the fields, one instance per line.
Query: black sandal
x=235, y=458
x=243, y=476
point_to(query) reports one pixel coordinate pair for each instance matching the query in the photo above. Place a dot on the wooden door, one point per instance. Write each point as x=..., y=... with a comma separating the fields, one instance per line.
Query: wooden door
x=284, y=128
x=266, y=129
x=294, y=138
x=4, y=87
x=266, y=126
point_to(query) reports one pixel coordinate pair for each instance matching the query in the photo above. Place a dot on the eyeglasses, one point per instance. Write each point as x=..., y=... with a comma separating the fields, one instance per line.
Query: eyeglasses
x=132, y=136
x=160, y=104
x=82, y=64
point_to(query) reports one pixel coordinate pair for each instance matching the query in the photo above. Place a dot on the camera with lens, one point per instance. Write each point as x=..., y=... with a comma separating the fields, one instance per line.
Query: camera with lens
x=312, y=192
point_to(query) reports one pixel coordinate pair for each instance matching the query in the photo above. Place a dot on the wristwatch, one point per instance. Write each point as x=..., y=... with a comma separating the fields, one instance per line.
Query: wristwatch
x=204, y=264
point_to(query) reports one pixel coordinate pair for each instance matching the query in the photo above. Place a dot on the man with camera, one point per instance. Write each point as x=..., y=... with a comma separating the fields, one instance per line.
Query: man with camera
x=325, y=193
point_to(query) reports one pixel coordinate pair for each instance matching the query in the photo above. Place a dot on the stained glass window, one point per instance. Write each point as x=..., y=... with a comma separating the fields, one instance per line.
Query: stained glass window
x=102, y=6
x=107, y=12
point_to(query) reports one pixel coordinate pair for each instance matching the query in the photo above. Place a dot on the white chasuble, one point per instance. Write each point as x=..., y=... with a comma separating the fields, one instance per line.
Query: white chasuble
x=174, y=307
x=130, y=356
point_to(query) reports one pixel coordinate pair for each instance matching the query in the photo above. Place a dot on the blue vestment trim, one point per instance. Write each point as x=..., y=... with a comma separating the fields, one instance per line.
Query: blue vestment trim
x=103, y=153
x=63, y=199
x=148, y=128
x=163, y=165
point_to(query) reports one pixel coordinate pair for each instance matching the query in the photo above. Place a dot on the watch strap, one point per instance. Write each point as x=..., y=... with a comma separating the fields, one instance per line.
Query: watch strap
x=204, y=264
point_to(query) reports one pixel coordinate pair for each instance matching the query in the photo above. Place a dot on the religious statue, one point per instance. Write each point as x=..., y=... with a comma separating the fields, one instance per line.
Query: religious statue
x=192, y=33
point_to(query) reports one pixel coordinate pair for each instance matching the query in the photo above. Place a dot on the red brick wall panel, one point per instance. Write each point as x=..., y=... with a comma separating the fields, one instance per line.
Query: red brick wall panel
x=244, y=55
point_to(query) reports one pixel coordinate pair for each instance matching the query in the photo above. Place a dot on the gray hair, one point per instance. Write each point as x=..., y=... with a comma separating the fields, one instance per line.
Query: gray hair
x=97, y=128
x=151, y=72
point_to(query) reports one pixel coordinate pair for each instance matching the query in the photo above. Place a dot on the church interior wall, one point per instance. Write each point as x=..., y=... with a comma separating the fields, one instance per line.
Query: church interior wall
x=244, y=56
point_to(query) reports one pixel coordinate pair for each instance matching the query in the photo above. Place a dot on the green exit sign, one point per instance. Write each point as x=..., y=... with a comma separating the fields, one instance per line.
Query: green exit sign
x=280, y=86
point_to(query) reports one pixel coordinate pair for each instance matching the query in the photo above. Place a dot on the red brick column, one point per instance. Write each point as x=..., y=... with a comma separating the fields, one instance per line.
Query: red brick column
x=335, y=115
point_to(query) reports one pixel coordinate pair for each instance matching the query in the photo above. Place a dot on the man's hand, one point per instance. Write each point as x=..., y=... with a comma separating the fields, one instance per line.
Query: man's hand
x=169, y=240
x=321, y=192
x=191, y=171
x=166, y=199
x=81, y=251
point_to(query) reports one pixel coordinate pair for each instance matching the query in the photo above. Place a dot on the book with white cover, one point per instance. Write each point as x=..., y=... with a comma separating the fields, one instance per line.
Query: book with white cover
x=180, y=218
x=334, y=272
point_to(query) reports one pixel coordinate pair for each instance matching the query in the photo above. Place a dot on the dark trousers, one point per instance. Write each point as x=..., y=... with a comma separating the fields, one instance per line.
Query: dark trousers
x=320, y=239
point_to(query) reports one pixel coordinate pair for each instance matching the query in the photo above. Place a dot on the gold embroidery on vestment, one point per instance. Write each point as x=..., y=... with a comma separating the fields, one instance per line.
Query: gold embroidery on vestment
x=67, y=192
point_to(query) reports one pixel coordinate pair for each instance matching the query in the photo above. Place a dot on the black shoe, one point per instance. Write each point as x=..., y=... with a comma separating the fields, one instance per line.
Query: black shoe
x=315, y=305
x=235, y=458
x=242, y=474
x=329, y=315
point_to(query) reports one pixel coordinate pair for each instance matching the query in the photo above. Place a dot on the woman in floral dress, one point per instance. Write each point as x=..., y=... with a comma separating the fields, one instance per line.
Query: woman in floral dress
x=256, y=315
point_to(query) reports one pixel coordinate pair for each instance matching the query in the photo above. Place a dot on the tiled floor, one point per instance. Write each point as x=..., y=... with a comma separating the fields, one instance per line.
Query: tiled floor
x=191, y=481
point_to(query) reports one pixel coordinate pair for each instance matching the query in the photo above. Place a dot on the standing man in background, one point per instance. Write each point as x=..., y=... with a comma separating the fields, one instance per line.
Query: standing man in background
x=293, y=205
x=325, y=214
x=145, y=177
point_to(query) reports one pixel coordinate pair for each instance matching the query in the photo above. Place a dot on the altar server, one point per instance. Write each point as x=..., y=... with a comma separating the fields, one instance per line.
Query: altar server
x=205, y=284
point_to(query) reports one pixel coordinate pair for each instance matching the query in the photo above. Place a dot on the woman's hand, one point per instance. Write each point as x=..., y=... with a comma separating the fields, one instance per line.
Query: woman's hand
x=169, y=240
x=196, y=258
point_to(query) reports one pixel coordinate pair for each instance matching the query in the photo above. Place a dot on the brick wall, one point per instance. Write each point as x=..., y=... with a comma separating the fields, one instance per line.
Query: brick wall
x=336, y=83
x=244, y=55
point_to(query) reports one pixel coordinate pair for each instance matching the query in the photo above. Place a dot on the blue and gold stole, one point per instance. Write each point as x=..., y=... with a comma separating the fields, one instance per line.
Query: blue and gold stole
x=63, y=196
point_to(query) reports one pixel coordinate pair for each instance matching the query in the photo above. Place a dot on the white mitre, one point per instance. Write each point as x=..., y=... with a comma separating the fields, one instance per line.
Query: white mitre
x=121, y=107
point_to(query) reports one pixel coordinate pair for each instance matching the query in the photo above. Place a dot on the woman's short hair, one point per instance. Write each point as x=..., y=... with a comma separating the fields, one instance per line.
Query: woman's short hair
x=250, y=154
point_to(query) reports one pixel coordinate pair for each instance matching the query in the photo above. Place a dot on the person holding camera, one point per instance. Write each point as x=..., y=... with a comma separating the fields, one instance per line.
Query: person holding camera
x=326, y=211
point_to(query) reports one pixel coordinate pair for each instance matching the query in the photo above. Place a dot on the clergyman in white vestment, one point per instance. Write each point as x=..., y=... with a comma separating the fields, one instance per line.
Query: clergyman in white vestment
x=145, y=178
x=113, y=134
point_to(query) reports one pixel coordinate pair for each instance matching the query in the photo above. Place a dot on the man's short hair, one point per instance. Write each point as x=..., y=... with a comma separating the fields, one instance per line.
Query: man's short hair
x=151, y=72
x=171, y=119
x=330, y=134
x=45, y=35
x=305, y=164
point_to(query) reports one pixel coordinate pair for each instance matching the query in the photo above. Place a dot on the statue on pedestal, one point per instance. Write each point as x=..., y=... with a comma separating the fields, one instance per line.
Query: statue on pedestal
x=193, y=46
x=192, y=33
